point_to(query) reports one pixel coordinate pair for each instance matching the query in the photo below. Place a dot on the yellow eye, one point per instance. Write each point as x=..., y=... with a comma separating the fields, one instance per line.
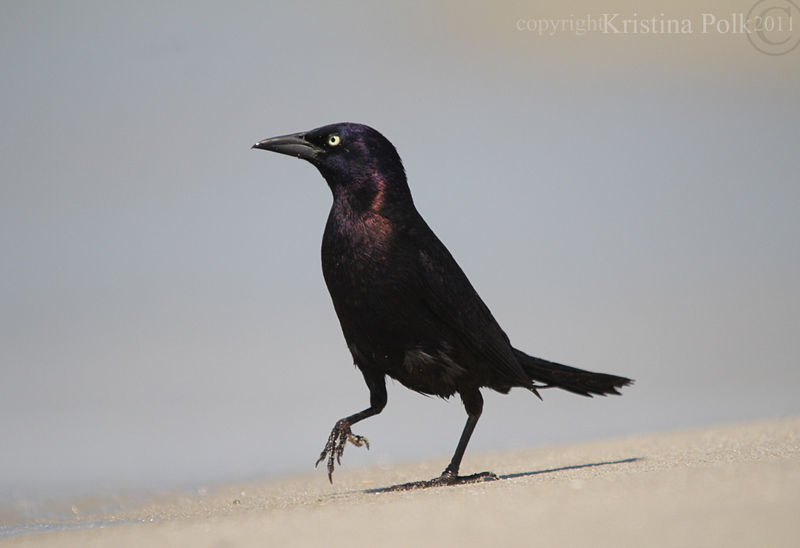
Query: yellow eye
x=334, y=140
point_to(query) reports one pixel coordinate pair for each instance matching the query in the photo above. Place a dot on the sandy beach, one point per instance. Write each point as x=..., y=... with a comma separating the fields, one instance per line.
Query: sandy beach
x=726, y=486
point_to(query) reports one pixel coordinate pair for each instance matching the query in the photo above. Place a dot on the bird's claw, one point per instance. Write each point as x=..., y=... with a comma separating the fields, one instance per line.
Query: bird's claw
x=334, y=448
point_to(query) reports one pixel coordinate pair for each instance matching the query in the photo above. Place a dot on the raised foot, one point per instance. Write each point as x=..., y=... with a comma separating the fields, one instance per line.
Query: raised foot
x=334, y=448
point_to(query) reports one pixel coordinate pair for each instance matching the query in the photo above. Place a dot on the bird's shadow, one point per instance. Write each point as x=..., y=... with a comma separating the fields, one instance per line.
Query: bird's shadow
x=483, y=477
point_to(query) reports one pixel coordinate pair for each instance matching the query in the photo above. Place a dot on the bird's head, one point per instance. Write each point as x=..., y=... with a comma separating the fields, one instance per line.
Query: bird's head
x=353, y=158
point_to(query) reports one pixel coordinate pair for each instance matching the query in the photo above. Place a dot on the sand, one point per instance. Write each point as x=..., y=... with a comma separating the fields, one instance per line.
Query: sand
x=726, y=486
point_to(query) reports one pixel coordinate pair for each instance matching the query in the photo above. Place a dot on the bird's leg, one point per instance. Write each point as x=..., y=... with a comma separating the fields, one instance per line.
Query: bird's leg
x=341, y=433
x=473, y=403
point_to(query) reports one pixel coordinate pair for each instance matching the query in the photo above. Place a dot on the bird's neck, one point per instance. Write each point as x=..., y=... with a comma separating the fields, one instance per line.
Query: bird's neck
x=372, y=195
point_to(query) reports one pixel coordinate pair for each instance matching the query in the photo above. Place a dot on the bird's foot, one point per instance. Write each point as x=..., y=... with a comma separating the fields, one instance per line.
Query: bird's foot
x=334, y=448
x=449, y=477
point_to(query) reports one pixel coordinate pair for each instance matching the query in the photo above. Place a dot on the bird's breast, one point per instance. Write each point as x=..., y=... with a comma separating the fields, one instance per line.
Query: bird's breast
x=356, y=246
x=365, y=271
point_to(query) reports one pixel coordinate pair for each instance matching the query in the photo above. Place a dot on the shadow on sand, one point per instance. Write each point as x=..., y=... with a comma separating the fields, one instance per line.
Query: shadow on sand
x=488, y=476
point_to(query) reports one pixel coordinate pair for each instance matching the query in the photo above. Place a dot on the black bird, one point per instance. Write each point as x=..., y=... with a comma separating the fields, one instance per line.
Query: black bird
x=405, y=306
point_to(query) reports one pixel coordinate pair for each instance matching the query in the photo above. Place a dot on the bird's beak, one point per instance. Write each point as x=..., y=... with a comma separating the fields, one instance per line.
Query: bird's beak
x=292, y=145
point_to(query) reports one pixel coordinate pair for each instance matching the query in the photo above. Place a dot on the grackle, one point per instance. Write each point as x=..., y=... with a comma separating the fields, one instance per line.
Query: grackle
x=406, y=308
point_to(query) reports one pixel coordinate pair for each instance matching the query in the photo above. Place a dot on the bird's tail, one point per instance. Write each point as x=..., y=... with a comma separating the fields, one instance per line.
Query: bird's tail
x=569, y=378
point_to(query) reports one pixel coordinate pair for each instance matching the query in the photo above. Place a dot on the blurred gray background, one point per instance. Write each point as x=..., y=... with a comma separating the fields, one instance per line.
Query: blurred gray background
x=623, y=203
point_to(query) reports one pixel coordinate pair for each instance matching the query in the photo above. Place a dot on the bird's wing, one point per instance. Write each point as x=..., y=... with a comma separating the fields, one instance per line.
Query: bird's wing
x=453, y=303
